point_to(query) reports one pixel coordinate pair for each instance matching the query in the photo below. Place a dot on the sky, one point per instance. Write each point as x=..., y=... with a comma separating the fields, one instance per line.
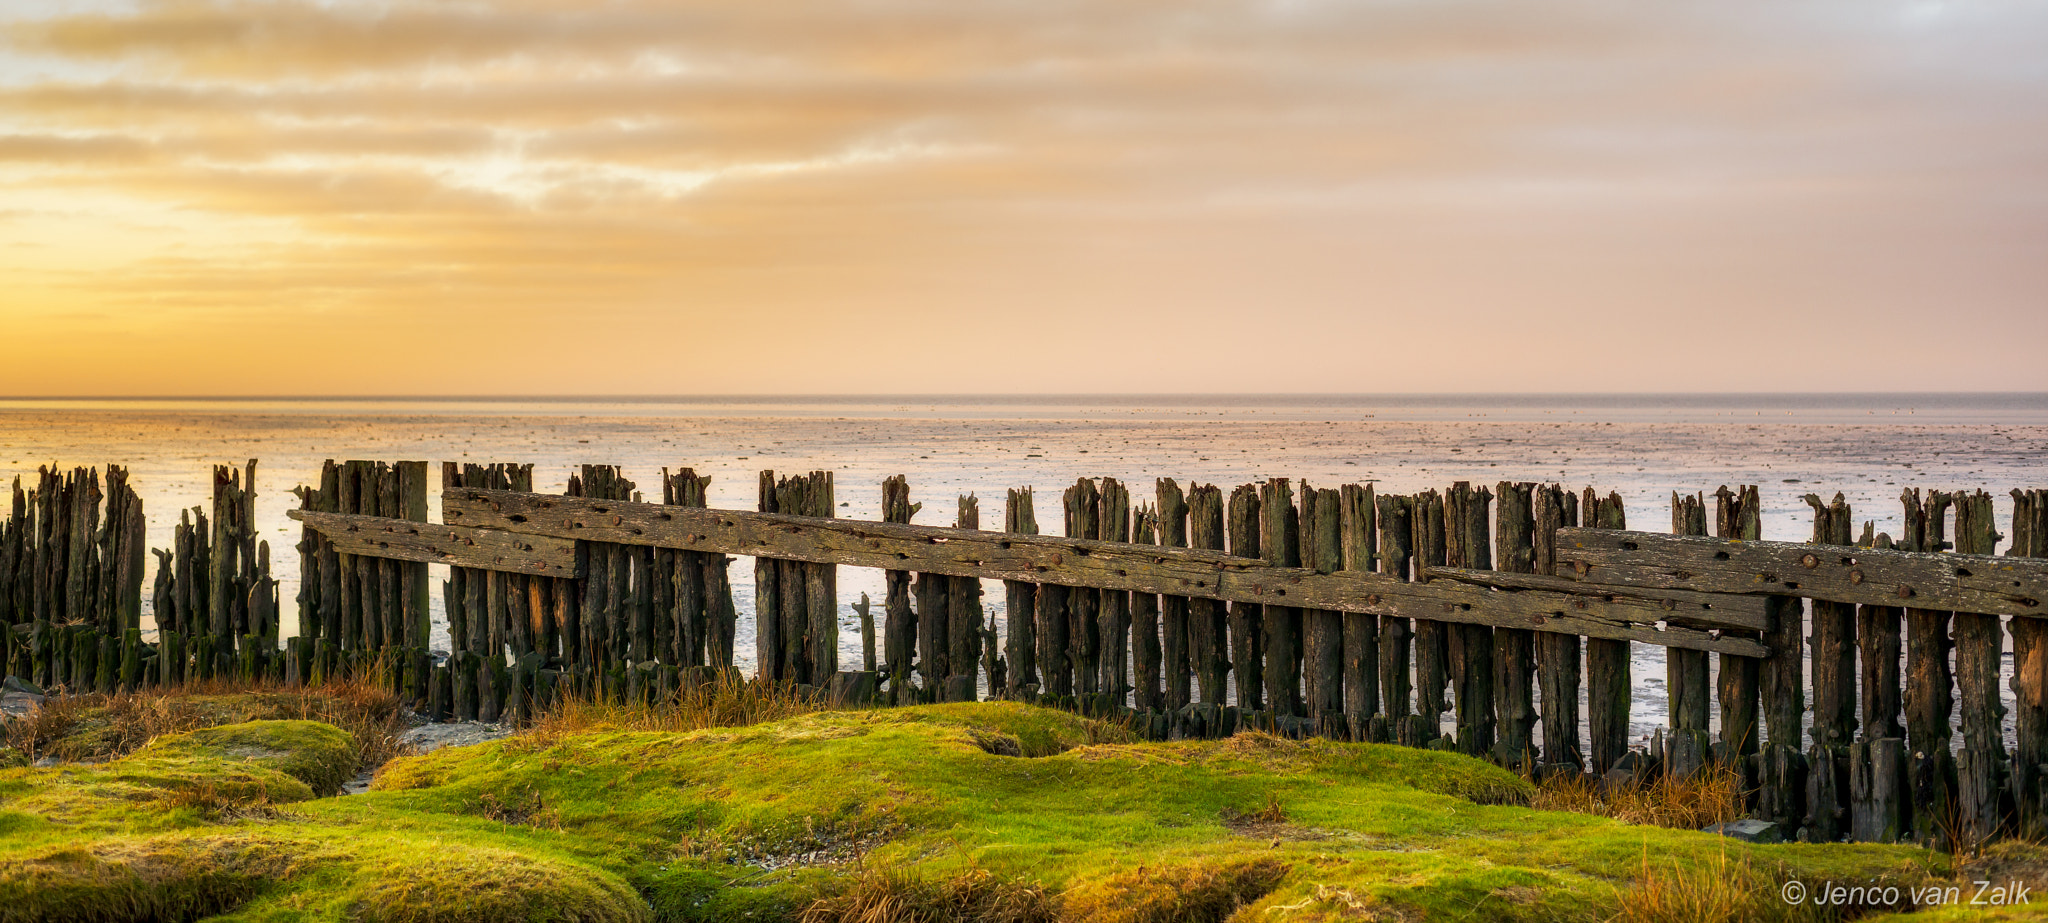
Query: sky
x=222, y=197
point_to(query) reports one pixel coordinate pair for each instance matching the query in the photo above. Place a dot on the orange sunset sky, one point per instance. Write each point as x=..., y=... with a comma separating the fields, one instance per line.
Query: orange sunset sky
x=558, y=196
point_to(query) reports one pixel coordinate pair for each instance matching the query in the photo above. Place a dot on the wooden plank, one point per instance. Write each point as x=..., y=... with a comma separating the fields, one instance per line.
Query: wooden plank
x=459, y=546
x=1984, y=584
x=1649, y=606
x=1070, y=562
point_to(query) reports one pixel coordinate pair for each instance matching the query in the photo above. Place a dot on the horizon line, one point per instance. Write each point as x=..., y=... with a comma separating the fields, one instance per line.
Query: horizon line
x=1008, y=395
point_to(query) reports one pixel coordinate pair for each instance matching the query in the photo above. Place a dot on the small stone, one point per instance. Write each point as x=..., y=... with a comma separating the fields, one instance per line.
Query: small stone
x=1749, y=830
x=17, y=684
x=47, y=762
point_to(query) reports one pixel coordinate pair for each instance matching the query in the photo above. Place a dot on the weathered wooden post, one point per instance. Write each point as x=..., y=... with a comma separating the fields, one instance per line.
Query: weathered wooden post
x=1467, y=544
x=1144, y=635
x=1113, y=524
x=1083, y=509
x=1432, y=641
x=1514, y=649
x=2030, y=677
x=1208, y=623
x=1983, y=797
x=963, y=618
x=1247, y=654
x=1397, y=532
x=1929, y=698
x=1685, y=671
x=1834, y=689
x=1020, y=601
x=1280, y=536
x=899, y=621
x=1177, y=644
x=1322, y=668
x=1557, y=654
x=1607, y=660
x=1361, y=644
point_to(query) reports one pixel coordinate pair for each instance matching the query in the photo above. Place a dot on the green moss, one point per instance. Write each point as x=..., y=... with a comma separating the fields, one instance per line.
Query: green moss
x=320, y=755
x=463, y=883
x=759, y=823
x=156, y=878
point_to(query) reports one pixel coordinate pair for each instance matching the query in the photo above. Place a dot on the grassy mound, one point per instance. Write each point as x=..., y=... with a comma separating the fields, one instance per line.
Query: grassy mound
x=992, y=811
x=96, y=728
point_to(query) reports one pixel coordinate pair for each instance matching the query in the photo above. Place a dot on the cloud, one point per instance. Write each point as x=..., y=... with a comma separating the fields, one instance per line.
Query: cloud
x=1363, y=169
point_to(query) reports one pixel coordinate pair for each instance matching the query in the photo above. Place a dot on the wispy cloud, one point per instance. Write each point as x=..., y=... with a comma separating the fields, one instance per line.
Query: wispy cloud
x=1178, y=185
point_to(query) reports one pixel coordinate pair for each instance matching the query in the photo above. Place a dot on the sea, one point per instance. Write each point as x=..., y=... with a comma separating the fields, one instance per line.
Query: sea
x=1867, y=446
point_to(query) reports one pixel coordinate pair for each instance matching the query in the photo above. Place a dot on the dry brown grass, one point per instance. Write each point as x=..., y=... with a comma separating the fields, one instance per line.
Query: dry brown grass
x=1722, y=891
x=99, y=727
x=888, y=894
x=1737, y=890
x=728, y=701
x=1713, y=796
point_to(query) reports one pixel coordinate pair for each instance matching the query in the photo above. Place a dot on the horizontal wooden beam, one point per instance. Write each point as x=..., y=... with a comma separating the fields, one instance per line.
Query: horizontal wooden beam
x=1083, y=563
x=1984, y=584
x=457, y=546
x=1728, y=611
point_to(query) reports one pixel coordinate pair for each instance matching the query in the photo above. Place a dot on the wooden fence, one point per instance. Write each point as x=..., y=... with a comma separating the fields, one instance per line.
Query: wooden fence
x=1828, y=673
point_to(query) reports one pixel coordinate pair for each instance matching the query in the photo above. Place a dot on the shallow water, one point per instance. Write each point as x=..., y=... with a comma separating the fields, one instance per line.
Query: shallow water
x=1869, y=447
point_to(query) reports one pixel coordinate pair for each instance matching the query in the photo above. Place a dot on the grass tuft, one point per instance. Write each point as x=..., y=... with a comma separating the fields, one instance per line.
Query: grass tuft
x=892, y=894
x=1713, y=796
x=726, y=702
x=1715, y=890
x=101, y=727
